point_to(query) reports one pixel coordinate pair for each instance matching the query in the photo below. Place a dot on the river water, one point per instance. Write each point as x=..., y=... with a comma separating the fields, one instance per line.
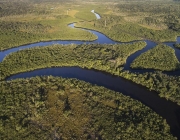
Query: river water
x=167, y=109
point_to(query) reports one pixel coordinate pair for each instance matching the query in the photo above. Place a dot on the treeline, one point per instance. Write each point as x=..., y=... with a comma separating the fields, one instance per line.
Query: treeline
x=27, y=27
x=167, y=86
x=157, y=7
x=156, y=35
x=177, y=45
x=107, y=25
x=57, y=108
x=118, y=29
x=14, y=33
x=17, y=33
x=161, y=57
x=24, y=7
x=109, y=58
x=90, y=56
x=15, y=8
x=156, y=13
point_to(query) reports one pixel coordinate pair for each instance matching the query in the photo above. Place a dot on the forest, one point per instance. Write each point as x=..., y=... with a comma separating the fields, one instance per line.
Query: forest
x=161, y=57
x=40, y=24
x=157, y=21
x=57, y=108
x=108, y=58
x=177, y=45
x=24, y=22
x=49, y=107
x=84, y=55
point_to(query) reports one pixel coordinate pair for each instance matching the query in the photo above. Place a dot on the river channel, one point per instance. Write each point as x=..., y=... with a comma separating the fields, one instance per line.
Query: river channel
x=167, y=109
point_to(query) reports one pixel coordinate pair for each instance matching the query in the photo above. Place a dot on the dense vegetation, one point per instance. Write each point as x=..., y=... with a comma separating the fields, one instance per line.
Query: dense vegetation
x=18, y=33
x=177, y=45
x=15, y=8
x=160, y=57
x=119, y=30
x=93, y=55
x=156, y=14
x=56, y=108
x=158, y=21
x=108, y=26
x=167, y=86
x=24, y=22
x=109, y=58
x=44, y=22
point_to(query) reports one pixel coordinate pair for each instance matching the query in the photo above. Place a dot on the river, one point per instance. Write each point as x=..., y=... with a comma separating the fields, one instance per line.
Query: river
x=167, y=109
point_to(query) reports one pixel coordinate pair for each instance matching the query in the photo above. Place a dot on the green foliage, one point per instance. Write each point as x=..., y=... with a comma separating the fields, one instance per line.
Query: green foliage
x=18, y=33
x=129, y=31
x=156, y=35
x=167, y=86
x=15, y=8
x=36, y=108
x=150, y=7
x=177, y=45
x=158, y=21
x=39, y=22
x=111, y=29
x=153, y=13
x=160, y=57
x=109, y=58
x=92, y=55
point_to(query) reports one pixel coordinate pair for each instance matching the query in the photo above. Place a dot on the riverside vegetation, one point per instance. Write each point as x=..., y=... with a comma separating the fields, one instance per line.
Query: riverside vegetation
x=39, y=22
x=177, y=45
x=136, y=20
x=160, y=57
x=57, y=108
x=109, y=58
x=92, y=55
x=23, y=22
x=18, y=33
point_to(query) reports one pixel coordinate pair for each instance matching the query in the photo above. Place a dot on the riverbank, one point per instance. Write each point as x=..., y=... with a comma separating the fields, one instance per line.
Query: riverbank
x=69, y=103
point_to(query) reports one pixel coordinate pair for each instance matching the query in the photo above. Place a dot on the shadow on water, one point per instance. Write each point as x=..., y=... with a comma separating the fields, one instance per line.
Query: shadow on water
x=167, y=109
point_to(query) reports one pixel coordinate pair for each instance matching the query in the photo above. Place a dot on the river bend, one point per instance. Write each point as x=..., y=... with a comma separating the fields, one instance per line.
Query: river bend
x=167, y=109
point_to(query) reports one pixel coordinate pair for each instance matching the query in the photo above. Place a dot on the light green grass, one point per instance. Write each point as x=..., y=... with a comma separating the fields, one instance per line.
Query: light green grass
x=85, y=15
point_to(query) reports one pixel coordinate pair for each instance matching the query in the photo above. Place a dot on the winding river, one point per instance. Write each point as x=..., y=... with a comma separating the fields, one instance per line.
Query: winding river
x=167, y=109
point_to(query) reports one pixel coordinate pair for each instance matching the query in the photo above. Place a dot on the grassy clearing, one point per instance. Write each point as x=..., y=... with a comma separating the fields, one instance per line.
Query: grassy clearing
x=85, y=15
x=72, y=13
x=160, y=57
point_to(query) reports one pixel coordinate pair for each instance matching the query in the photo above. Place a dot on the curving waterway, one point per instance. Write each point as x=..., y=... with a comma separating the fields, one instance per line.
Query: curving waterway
x=167, y=109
